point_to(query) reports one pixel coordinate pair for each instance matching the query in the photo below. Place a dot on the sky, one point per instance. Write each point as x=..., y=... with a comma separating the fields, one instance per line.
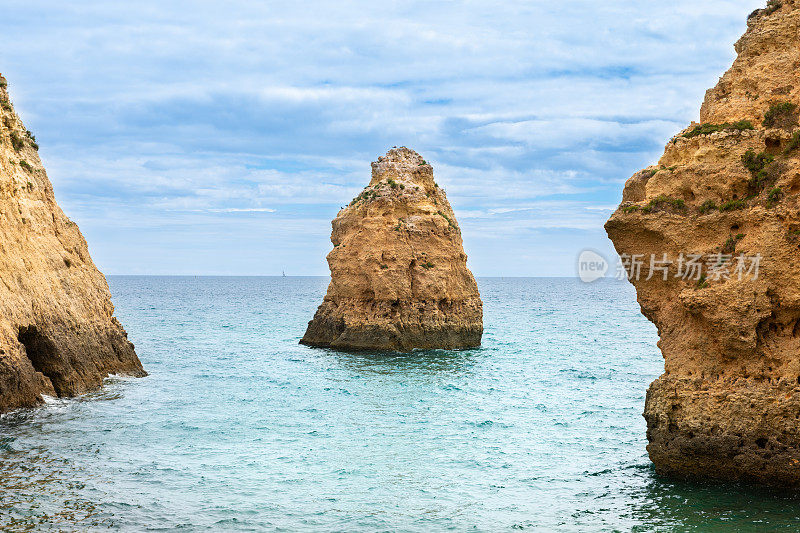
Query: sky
x=221, y=138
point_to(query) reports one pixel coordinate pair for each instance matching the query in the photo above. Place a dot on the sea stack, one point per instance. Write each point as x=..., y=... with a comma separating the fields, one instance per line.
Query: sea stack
x=399, y=276
x=58, y=334
x=725, y=196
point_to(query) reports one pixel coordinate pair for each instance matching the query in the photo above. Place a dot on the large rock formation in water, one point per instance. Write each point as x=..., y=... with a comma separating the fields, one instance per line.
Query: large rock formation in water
x=399, y=276
x=725, y=194
x=58, y=334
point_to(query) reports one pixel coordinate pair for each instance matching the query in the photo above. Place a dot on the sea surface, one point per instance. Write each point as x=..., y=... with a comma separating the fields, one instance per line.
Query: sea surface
x=239, y=428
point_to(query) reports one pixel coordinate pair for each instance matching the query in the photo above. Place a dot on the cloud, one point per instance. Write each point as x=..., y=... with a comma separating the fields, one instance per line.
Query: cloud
x=185, y=119
x=242, y=210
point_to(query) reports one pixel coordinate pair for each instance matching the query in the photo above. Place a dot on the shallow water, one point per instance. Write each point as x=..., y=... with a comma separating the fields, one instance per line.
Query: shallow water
x=238, y=428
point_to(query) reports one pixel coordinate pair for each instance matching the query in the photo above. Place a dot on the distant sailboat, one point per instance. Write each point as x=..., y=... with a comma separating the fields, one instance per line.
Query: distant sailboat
x=284, y=273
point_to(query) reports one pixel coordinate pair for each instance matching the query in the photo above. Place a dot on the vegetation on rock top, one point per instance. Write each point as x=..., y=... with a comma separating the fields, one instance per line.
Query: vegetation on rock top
x=707, y=129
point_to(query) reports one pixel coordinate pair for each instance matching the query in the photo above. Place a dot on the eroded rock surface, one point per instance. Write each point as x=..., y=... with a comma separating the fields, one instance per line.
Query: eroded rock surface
x=399, y=276
x=728, y=404
x=58, y=334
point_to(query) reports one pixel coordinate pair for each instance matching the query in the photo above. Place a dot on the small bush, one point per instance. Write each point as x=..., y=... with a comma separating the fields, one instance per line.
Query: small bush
x=732, y=205
x=25, y=166
x=6, y=105
x=708, y=206
x=384, y=267
x=3, y=83
x=447, y=218
x=365, y=195
x=630, y=208
x=701, y=282
x=663, y=201
x=757, y=164
x=774, y=196
x=16, y=142
x=730, y=245
x=706, y=129
x=783, y=115
x=794, y=143
x=427, y=265
x=32, y=138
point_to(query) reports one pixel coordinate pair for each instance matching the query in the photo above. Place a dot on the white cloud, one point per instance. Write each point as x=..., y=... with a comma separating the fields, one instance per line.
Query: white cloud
x=243, y=210
x=178, y=115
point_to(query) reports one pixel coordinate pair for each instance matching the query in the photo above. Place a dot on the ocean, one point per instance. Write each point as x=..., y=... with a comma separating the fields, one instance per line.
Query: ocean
x=239, y=428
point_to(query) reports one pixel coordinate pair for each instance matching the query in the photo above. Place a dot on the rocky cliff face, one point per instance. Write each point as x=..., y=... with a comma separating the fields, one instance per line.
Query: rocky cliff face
x=58, y=334
x=725, y=195
x=399, y=276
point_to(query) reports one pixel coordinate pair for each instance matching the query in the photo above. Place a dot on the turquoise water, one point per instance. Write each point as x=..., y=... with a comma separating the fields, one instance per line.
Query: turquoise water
x=238, y=428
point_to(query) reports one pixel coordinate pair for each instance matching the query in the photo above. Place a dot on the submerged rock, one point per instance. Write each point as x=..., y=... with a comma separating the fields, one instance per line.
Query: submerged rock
x=58, y=334
x=725, y=193
x=399, y=276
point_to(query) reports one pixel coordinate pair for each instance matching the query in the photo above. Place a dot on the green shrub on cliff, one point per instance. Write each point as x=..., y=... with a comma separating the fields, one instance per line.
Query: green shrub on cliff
x=25, y=166
x=754, y=162
x=663, y=201
x=447, y=218
x=650, y=173
x=732, y=205
x=706, y=129
x=794, y=143
x=16, y=142
x=757, y=164
x=730, y=245
x=774, y=196
x=783, y=115
x=32, y=138
x=708, y=206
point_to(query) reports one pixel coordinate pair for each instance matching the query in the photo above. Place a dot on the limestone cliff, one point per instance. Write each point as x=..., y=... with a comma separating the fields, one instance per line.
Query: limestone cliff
x=58, y=335
x=728, y=404
x=399, y=276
